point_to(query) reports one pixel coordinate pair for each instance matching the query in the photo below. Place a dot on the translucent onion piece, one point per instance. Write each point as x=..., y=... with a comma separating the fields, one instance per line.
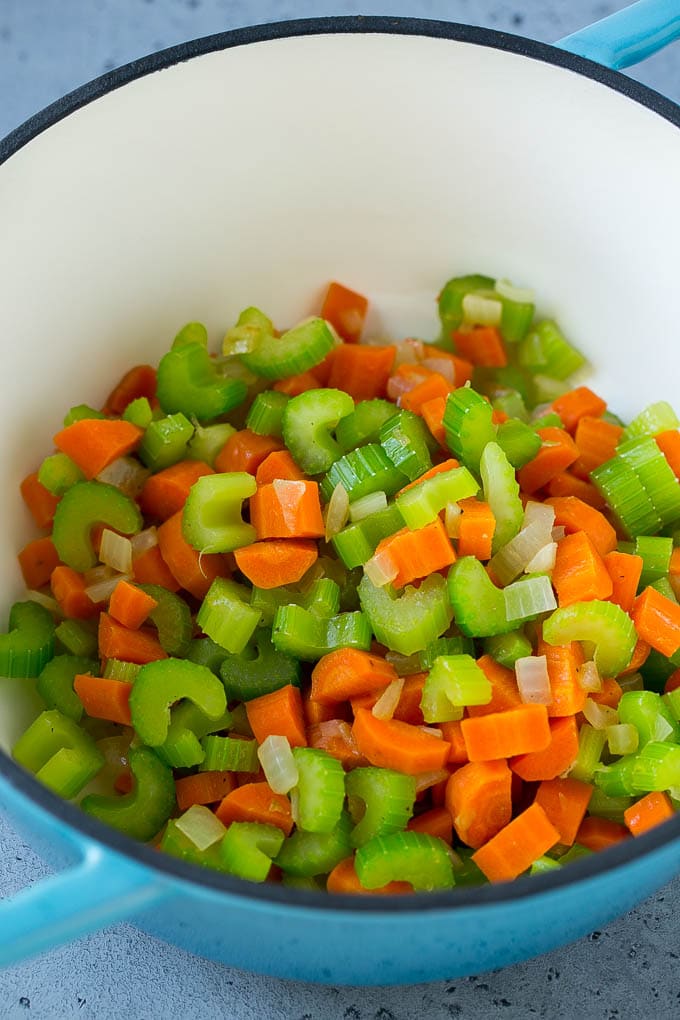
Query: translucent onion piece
x=481, y=310
x=444, y=366
x=424, y=780
x=43, y=600
x=623, y=738
x=386, y=704
x=409, y=352
x=380, y=569
x=97, y=574
x=589, y=677
x=405, y=665
x=337, y=511
x=631, y=682
x=101, y=591
x=542, y=512
x=116, y=749
x=144, y=541
x=452, y=520
x=433, y=731
x=599, y=716
x=544, y=560
x=398, y=385
x=116, y=551
x=511, y=560
x=126, y=474
x=369, y=504
x=558, y=533
x=278, y=763
x=533, y=680
x=201, y=826
x=523, y=295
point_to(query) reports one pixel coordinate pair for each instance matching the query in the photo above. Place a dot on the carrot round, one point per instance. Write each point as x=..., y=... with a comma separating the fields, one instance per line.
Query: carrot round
x=577, y=404
x=140, y=381
x=565, y=802
x=287, y=509
x=203, y=788
x=68, y=588
x=344, y=879
x=256, y=802
x=361, y=371
x=502, y=734
x=479, y=800
x=279, y=464
x=435, y=822
x=345, y=309
x=557, y=757
x=482, y=345
x=94, y=443
x=39, y=500
x=279, y=713
x=396, y=745
x=579, y=574
x=599, y=833
x=347, y=673
x=557, y=453
x=515, y=848
x=166, y=492
x=277, y=561
x=245, y=451
x=649, y=811
x=575, y=516
x=118, y=642
x=193, y=571
x=130, y=605
x=657, y=621
x=37, y=560
x=104, y=698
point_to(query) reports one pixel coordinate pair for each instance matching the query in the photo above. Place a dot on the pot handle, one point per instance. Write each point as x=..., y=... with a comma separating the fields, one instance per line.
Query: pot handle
x=100, y=889
x=628, y=36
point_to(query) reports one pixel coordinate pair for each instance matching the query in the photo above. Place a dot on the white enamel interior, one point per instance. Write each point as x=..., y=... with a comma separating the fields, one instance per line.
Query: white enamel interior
x=256, y=174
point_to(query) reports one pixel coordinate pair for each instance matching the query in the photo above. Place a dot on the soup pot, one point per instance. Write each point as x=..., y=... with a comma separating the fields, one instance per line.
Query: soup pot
x=251, y=168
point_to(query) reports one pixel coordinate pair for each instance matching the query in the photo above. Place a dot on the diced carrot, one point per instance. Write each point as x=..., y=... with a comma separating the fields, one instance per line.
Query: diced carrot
x=657, y=621
x=294, y=385
x=256, y=802
x=118, y=642
x=482, y=345
x=277, y=561
x=565, y=802
x=599, y=833
x=284, y=509
x=452, y=732
x=166, y=492
x=433, y=416
x=345, y=309
x=391, y=744
x=94, y=443
x=150, y=568
x=435, y=822
x=279, y=465
x=610, y=694
x=38, y=560
x=557, y=757
x=104, y=698
x=140, y=381
x=625, y=570
x=408, y=707
x=479, y=800
x=574, y=515
x=68, y=588
x=130, y=605
x=39, y=500
x=597, y=440
x=669, y=444
x=344, y=879
x=558, y=451
x=579, y=575
x=278, y=713
x=245, y=451
x=568, y=697
x=362, y=371
x=418, y=553
x=514, y=849
x=498, y=417
x=638, y=658
x=316, y=712
x=648, y=812
x=193, y=571
x=673, y=682
x=446, y=465
x=503, y=734
x=462, y=368
x=476, y=528
x=504, y=690
x=567, y=484
x=435, y=387
x=347, y=673
x=577, y=404
x=124, y=783
x=203, y=788
x=335, y=736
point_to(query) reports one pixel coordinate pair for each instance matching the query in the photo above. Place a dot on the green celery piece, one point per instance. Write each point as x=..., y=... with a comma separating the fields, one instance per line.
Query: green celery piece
x=162, y=683
x=309, y=882
x=656, y=768
x=55, y=683
x=527, y=598
x=362, y=471
x=517, y=315
x=320, y=789
x=165, y=441
x=615, y=780
x=656, y=556
x=182, y=746
x=627, y=497
x=465, y=871
x=265, y=416
x=245, y=679
x=478, y=605
x=190, y=384
x=82, y=412
x=248, y=848
x=590, y=747
x=549, y=420
x=406, y=440
x=519, y=442
x=208, y=440
x=177, y=844
x=456, y=645
x=672, y=702
x=59, y=753
x=414, y=857
x=226, y=617
x=363, y=424
x=79, y=509
x=421, y=503
x=654, y=472
x=356, y=543
x=451, y=299
x=543, y=865
x=212, y=520
x=608, y=807
x=78, y=637
x=511, y=402
x=380, y=801
x=665, y=588
x=143, y=812
x=172, y=619
x=307, y=423
x=306, y=854
x=604, y=624
x=29, y=643
x=300, y=633
x=139, y=412
x=206, y=652
x=58, y=473
x=407, y=623
x=322, y=598
x=649, y=714
x=229, y=754
x=191, y=333
x=468, y=426
x=506, y=649
x=574, y=853
x=295, y=351
x=119, y=669
x=252, y=327
x=658, y=417
x=546, y=351
x=501, y=492
x=453, y=683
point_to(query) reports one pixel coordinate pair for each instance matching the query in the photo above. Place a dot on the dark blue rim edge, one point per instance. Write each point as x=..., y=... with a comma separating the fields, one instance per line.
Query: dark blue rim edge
x=618, y=857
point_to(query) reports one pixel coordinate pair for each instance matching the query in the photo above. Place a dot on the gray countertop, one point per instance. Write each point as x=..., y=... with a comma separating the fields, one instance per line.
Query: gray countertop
x=628, y=970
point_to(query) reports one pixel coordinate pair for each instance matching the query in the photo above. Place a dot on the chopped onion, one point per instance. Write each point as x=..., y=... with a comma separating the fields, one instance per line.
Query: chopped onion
x=523, y=295
x=542, y=512
x=366, y=505
x=278, y=763
x=544, y=560
x=386, y=704
x=424, y=780
x=126, y=474
x=589, y=677
x=433, y=731
x=623, y=738
x=482, y=311
x=511, y=560
x=452, y=520
x=144, y=541
x=409, y=352
x=201, y=826
x=444, y=366
x=405, y=665
x=381, y=569
x=99, y=573
x=116, y=749
x=325, y=735
x=336, y=511
x=558, y=533
x=533, y=680
x=398, y=385
x=43, y=600
x=116, y=551
x=601, y=716
x=631, y=682
x=102, y=590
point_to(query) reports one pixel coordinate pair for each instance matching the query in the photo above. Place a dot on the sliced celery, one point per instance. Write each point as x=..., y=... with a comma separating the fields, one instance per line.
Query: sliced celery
x=421, y=503
x=320, y=789
x=501, y=492
x=453, y=683
x=414, y=857
x=406, y=440
x=604, y=623
x=307, y=423
x=367, y=469
x=468, y=426
x=409, y=622
x=265, y=416
x=380, y=801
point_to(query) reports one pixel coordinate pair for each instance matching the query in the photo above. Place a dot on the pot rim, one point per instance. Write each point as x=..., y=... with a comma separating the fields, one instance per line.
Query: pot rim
x=169, y=868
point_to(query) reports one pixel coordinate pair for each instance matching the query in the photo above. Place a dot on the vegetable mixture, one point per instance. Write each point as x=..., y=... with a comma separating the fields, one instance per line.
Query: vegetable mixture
x=365, y=617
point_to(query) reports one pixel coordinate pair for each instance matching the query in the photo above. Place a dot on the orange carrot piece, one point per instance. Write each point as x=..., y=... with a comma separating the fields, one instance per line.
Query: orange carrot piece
x=446, y=465
x=435, y=822
x=557, y=757
x=203, y=788
x=625, y=570
x=673, y=682
x=277, y=561
x=462, y=368
x=140, y=381
x=504, y=690
x=104, y=698
x=674, y=566
x=256, y=802
x=344, y=879
x=279, y=465
x=68, y=588
x=245, y=451
x=435, y=387
x=579, y=575
x=611, y=692
x=515, y=848
x=599, y=833
x=558, y=451
x=347, y=673
x=574, y=515
x=397, y=745
x=130, y=605
x=361, y=371
x=192, y=571
x=150, y=568
x=669, y=444
x=479, y=800
x=294, y=385
x=279, y=713
x=94, y=443
x=166, y=492
x=638, y=658
x=657, y=621
x=577, y=404
x=482, y=345
x=408, y=708
x=567, y=484
x=432, y=412
x=565, y=802
x=648, y=812
x=345, y=309
x=39, y=500
x=124, y=783
x=452, y=732
x=597, y=440
x=568, y=697
x=503, y=734
x=335, y=737
x=118, y=642
x=316, y=712
x=38, y=560
x=284, y=509
x=417, y=553
x=476, y=528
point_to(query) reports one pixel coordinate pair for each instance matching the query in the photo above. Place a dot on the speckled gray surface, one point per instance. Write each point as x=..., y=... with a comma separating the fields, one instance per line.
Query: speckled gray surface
x=630, y=969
